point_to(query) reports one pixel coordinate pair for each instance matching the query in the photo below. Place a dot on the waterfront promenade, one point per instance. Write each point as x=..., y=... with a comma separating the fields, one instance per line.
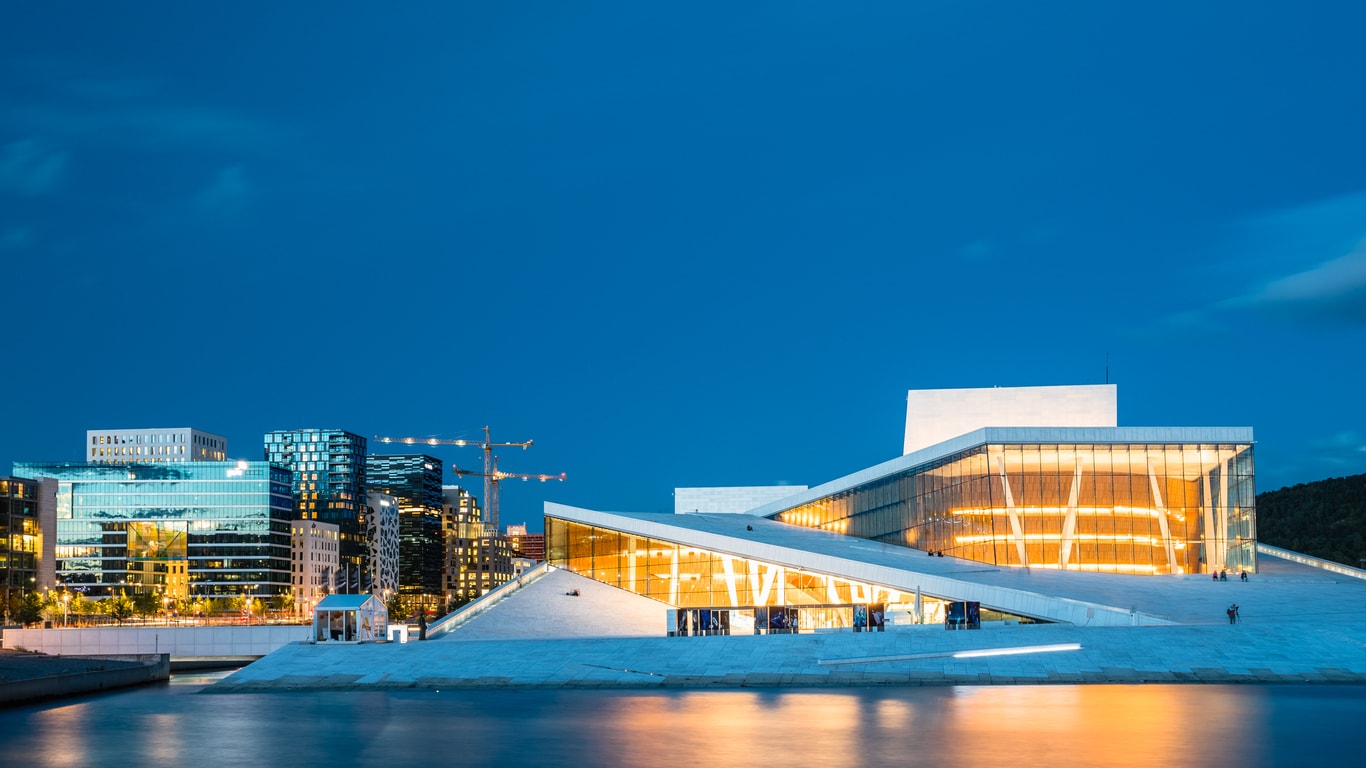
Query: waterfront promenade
x=1298, y=625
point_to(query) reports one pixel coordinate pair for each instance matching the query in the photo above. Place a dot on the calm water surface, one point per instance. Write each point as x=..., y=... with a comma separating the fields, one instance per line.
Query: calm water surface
x=1110, y=725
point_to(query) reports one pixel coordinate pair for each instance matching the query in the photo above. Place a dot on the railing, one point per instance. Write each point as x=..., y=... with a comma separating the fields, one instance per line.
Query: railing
x=1314, y=562
x=450, y=622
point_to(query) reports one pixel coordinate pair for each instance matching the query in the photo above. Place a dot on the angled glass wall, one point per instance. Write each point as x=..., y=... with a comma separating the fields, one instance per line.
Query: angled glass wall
x=1114, y=508
x=686, y=576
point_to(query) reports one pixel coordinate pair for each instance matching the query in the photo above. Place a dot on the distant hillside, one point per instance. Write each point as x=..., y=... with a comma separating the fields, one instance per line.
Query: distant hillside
x=1325, y=519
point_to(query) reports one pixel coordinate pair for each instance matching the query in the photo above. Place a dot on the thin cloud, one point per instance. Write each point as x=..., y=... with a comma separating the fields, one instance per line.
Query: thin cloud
x=227, y=194
x=16, y=238
x=977, y=252
x=124, y=112
x=1334, y=291
x=1335, y=455
x=137, y=125
x=1304, y=265
x=31, y=167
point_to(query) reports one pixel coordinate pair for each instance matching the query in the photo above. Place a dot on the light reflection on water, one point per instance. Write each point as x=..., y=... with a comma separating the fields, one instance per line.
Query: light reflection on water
x=1110, y=725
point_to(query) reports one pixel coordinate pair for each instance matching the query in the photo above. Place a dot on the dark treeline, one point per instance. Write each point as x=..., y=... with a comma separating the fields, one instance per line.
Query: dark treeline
x=1325, y=519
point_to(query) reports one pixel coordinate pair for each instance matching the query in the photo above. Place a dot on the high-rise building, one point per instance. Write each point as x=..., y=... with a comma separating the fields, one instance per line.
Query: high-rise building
x=25, y=563
x=142, y=446
x=314, y=552
x=329, y=481
x=415, y=482
x=381, y=535
x=477, y=561
x=197, y=529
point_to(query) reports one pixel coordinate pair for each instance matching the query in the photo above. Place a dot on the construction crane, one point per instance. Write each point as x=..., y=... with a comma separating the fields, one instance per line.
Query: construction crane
x=490, y=468
x=491, y=480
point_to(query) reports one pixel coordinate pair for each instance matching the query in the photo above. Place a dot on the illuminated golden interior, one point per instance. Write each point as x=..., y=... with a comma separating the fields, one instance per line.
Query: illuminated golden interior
x=1143, y=509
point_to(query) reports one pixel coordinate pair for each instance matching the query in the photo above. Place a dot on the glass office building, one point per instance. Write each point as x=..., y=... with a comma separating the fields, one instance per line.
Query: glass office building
x=415, y=483
x=1154, y=507
x=329, y=481
x=188, y=530
x=21, y=538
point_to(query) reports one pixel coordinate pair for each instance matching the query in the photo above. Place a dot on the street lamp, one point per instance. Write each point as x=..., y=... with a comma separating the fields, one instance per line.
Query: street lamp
x=66, y=600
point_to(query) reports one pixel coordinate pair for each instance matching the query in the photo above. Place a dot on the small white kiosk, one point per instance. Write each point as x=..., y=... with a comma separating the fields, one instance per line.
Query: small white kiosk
x=350, y=619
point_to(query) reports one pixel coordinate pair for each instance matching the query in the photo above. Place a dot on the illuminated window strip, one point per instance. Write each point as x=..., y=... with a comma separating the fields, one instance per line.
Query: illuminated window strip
x=1153, y=541
x=1150, y=570
x=1058, y=511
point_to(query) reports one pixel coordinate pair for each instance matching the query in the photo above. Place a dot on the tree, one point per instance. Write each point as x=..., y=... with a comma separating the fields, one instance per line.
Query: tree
x=282, y=603
x=147, y=603
x=29, y=608
x=120, y=607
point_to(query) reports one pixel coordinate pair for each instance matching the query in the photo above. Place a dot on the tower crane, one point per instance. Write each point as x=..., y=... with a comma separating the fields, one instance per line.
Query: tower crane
x=490, y=468
x=491, y=480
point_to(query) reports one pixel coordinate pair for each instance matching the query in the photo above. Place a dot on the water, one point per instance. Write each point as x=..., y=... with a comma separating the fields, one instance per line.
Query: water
x=1101, y=725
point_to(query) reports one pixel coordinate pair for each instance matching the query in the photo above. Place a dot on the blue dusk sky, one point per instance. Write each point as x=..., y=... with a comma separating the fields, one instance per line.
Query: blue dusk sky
x=679, y=244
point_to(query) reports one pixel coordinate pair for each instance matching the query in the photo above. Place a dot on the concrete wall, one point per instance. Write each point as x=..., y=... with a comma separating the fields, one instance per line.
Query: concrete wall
x=730, y=499
x=182, y=643
x=149, y=669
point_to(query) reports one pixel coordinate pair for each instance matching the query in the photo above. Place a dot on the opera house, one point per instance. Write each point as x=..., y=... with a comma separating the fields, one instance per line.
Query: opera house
x=1087, y=548
x=1032, y=480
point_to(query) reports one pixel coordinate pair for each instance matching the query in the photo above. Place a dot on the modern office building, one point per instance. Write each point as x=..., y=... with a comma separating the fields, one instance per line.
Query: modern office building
x=197, y=529
x=524, y=544
x=381, y=535
x=142, y=446
x=329, y=481
x=1009, y=491
x=415, y=483
x=478, y=560
x=314, y=553
x=26, y=510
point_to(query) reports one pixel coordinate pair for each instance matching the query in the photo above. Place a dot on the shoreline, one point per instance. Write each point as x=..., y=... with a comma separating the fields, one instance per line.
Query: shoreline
x=1189, y=654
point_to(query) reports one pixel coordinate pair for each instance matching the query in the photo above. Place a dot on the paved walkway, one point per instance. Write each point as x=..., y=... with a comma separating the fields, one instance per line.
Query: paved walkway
x=1299, y=625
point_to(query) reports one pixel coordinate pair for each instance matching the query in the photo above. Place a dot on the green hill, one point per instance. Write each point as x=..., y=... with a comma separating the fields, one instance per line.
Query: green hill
x=1325, y=519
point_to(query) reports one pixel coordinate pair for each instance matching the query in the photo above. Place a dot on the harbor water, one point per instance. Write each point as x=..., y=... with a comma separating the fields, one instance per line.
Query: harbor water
x=178, y=724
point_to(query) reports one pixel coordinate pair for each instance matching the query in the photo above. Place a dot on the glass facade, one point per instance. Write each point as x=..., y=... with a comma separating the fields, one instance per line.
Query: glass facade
x=193, y=529
x=744, y=592
x=329, y=481
x=1115, y=508
x=415, y=483
x=20, y=538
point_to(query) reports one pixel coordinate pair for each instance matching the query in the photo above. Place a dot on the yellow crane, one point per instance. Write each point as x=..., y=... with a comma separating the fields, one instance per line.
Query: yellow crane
x=491, y=481
x=490, y=467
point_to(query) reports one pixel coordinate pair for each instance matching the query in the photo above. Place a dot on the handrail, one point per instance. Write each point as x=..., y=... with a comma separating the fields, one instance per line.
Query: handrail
x=1313, y=562
x=451, y=621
